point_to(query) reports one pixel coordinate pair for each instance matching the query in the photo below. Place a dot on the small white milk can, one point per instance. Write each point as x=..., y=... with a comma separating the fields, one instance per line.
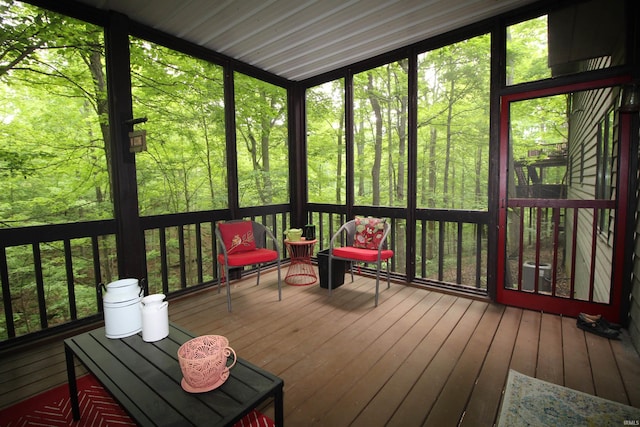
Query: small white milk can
x=155, y=317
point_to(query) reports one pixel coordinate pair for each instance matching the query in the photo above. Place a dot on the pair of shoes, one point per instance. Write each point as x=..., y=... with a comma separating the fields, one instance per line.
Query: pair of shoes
x=596, y=327
x=601, y=320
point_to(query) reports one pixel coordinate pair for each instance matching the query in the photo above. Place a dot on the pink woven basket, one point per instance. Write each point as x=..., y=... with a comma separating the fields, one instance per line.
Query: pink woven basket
x=203, y=361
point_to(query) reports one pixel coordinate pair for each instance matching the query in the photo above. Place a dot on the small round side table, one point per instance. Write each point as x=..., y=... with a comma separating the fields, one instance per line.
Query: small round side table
x=301, y=271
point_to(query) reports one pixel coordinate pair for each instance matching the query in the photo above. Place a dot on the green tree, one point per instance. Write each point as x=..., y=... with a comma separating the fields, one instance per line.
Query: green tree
x=261, y=132
x=325, y=143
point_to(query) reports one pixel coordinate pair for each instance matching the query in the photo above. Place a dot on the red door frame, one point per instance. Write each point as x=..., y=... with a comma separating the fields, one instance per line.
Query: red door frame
x=547, y=303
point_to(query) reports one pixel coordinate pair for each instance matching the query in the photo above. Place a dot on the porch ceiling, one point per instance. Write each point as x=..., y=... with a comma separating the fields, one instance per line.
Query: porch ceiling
x=297, y=39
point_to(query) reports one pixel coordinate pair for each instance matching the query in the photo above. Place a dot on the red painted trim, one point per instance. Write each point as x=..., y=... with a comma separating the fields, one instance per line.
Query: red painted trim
x=621, y=213
x=558, y=305
x=549, y=303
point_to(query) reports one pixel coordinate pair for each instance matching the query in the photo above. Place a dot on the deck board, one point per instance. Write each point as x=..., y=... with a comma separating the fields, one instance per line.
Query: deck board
x=416, y=406
x=453, y=398
x=606, y=384
x=550, y=362
x=420, y=358
x=577, y=369
x=484, y=402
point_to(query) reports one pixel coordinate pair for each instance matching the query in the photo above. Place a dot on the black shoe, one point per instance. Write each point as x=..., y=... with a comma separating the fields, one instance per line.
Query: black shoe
x=599, y=319
x=596, y=328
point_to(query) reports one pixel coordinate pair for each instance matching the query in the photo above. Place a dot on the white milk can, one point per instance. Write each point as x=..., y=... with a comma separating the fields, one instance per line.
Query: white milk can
x=121, y=304
x=155, y=317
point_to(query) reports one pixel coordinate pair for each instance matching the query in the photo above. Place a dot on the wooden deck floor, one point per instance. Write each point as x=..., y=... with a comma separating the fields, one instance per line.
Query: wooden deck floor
x=420, y=358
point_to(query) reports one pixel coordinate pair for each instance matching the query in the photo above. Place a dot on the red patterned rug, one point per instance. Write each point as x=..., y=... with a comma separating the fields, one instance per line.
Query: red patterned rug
x=97, y=408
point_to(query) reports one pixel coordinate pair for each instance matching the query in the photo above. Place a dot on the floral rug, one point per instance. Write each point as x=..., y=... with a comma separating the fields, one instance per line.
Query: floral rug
x=531, y=402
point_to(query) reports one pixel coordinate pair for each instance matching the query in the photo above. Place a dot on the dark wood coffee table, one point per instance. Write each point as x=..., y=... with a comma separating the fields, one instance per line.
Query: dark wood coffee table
x=144, y=378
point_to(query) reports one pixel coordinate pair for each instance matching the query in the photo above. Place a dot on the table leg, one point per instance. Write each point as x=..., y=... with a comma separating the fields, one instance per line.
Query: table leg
x=278, y=407
x=73, y=386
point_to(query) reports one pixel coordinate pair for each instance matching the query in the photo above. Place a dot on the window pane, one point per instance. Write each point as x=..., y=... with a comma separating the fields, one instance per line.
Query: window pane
x=564, y=42
x=380, y=135
x=184, y=169
x=539, y=135
x=262, y=147
x=453, y=125
x=326, y=143
x=53, y=162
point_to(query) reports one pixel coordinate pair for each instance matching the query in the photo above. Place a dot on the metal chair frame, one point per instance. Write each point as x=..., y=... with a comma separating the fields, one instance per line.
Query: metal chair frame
x=350, y=229
x=260, y=234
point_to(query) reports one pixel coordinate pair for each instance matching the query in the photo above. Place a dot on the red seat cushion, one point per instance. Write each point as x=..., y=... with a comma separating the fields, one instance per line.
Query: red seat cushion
x=256, y=256
x=361, y=254
x=237, y=236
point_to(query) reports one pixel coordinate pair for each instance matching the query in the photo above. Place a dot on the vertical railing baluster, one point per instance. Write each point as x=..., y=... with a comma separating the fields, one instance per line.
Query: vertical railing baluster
x=574, y=245
x=320, y=231
x=199, y=252
x=71, y=293
x=6, y=294
x=214, y=250
x=181, y=252
x=459, y=255
x=42, y=304
x=521, y=247
x=479, y=230
x=556, y=236
x=393, y=246
x=97, y=272
x=164, y=265
x=594, y=246
x=423, y=248
x=536, y=279
x=441, y=237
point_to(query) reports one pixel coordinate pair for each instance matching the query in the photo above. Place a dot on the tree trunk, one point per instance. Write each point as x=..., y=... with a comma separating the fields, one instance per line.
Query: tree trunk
x=212, y=192
x=447, y=159
x=267, y=185
x=339, y=180
x=359, y=161
x=431, y=225
x=94, y=61
x=377, y=160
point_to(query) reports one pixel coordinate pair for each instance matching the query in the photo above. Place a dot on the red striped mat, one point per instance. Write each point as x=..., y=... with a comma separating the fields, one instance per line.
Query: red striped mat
x=53, y=408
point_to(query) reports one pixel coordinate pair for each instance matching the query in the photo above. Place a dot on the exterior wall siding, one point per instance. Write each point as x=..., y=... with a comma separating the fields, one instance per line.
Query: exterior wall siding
x=588, y=109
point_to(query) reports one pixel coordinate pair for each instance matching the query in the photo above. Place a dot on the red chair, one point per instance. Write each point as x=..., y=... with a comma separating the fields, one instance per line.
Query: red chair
x=366, y=241
x=244, y=243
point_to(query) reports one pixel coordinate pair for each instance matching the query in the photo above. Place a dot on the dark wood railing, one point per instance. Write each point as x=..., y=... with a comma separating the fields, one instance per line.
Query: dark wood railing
x=450, y=249
x=180, y=254
x=64, y=246
x=180, y=257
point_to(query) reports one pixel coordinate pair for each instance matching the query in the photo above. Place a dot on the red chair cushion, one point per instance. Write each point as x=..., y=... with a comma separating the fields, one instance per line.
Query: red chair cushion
x=256, y=256
x=237, y=236
x=361, y=254
x=369, y=232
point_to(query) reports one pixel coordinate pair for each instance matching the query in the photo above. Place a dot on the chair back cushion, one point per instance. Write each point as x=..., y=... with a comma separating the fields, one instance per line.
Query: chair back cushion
x=369, y=232
x=237, y=236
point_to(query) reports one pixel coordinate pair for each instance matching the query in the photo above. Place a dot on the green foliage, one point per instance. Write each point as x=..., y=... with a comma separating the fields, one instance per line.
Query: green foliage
x=380, y=135
x=262, y=142
x=453, y=125
x=52, y=159
x=538, y=124
x=527, y=51
x=326, y=143
x=184, y=169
